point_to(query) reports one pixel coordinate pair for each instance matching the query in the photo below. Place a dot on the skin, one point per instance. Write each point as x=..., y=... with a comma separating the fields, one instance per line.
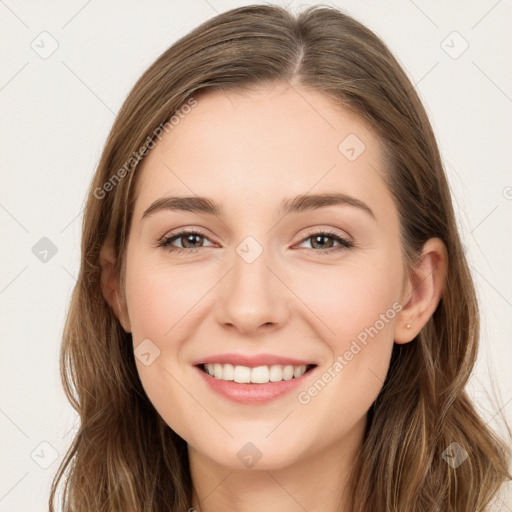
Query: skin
x=248, y=151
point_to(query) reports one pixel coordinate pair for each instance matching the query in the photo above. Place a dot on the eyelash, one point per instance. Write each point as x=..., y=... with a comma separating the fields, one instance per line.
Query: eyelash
x=166, y=241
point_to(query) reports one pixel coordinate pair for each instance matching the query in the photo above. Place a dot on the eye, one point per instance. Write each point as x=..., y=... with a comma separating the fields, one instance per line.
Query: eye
x=191, y=237
x=188, y=237
x=319, y=238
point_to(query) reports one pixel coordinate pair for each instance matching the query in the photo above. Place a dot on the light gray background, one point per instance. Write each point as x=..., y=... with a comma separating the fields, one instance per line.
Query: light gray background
x=57, y=111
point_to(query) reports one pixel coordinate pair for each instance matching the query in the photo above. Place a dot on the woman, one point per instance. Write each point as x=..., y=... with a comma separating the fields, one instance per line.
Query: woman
x=311, y=351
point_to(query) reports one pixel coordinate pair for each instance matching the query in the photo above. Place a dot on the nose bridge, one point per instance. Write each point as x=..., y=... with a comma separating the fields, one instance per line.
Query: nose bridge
x=252, y=295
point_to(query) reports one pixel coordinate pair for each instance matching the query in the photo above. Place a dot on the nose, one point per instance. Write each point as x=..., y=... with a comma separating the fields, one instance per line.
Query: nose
x=253, y=296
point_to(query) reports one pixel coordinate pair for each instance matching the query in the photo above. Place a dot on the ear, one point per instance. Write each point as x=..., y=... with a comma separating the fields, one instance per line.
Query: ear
x=110, y=284
x=422, y=291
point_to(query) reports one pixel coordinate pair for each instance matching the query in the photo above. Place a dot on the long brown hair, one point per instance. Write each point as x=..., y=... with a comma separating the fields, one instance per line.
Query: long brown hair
x=124, y=457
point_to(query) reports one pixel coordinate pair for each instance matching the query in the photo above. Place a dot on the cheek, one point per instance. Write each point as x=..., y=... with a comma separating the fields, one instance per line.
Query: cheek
x=166, y=304
x=161, y=303
x=351, y=298
x=158, y=298
x=356, y=306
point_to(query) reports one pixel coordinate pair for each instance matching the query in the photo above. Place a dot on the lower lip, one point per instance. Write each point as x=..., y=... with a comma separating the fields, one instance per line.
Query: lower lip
x=253, y=393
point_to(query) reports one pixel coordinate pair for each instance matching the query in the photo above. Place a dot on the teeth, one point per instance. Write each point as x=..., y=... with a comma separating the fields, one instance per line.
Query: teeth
x=257, y=375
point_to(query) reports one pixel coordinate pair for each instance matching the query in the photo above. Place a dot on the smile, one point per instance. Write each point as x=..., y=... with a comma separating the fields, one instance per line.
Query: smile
x=256, y=375
x=256, y=385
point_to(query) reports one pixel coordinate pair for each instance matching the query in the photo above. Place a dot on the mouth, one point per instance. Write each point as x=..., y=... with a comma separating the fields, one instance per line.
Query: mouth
x=254, y=375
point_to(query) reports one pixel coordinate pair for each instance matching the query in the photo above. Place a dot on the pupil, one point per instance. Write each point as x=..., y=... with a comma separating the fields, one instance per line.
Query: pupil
x=190, y=239
x=320, y=237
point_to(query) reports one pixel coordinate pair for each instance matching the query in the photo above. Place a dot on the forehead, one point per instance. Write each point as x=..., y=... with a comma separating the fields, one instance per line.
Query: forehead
x=257, y=146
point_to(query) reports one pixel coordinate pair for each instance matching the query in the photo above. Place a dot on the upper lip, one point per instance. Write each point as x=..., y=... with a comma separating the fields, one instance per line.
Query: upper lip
x=252, y=361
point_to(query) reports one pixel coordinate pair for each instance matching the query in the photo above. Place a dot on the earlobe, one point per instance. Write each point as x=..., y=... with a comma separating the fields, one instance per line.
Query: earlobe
x=110, y=284
x=423, y=291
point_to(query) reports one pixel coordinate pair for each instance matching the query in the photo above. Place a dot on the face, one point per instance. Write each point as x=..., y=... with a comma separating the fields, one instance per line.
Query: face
x=315, y=287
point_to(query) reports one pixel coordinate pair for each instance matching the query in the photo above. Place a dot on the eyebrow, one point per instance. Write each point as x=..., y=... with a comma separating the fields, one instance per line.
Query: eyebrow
x=305, y=202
